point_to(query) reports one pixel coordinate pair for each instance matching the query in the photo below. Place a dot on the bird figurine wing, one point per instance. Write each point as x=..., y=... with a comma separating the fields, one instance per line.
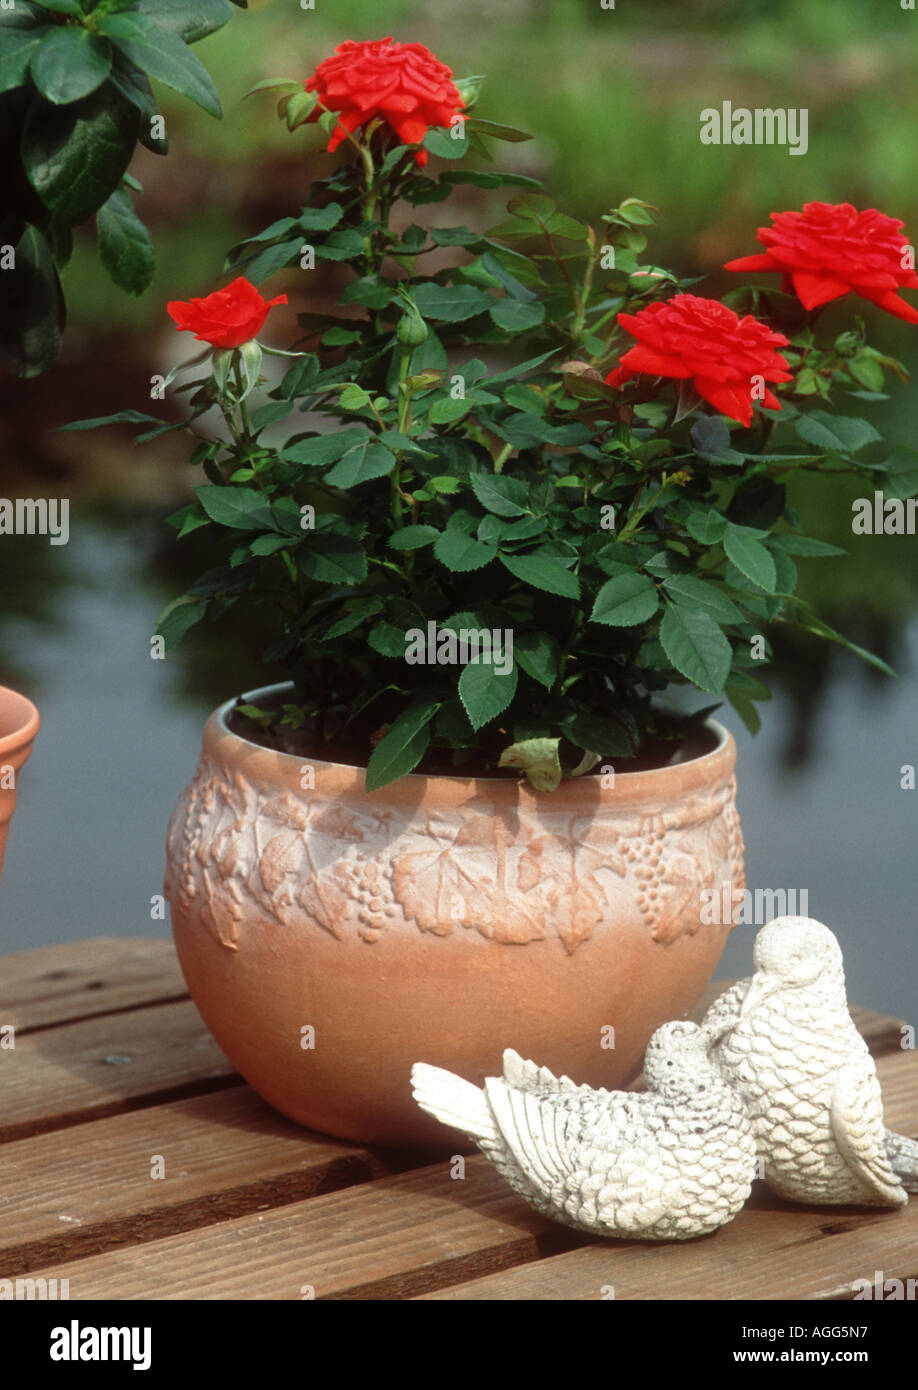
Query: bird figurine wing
x=857, y=1123
x=543, y=1119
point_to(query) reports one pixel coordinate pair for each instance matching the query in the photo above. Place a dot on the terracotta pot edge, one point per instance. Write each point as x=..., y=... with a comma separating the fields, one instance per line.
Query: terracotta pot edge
x=24, y=734
x=230, y=750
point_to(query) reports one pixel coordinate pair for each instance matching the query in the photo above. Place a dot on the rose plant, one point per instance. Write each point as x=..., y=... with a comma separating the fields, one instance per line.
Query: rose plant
x=75, y=101
x=540, y=435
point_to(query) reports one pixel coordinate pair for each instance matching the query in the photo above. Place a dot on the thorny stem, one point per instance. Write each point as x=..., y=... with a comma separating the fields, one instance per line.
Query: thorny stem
x=584, y=297
x=404, y=424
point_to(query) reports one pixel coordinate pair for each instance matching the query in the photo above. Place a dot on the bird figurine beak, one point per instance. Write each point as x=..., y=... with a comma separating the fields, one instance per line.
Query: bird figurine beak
x=760, y=987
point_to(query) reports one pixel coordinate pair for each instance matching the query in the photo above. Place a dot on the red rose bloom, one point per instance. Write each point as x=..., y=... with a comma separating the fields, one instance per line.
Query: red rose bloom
x=831, y=249
x=688, y=337
x=402, y=82
x=227, y=318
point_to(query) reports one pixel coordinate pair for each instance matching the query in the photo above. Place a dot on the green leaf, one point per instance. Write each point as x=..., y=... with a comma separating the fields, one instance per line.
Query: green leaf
x=810, y=623
x=321, y=219
x=74, y=155
x=269, y=545
x=538, y=654
x=186, y=520
x=122, y=417
x=31, y=307
x=625, y=600
x=402, y=746
x=461, y=552
x=902, y=472
x=269, y=414
x=177, y=617
x=413, y=537
x=696, y=647
x=710, y=436
x=341, y=245
x=596, y=734
x=785, y=571
x=867, y=371
x=331, y=558
x=487, y=178
x=323, y=449
x=270, y=260
x=190, y=19
x=499, y=132
x=17, y=49
x=450, y=303
x=504, y=496
x=388, y=640
x=70, y=63
x=485, y=692
x=543, y=572
x=162, y=55
x=446, y=410
x=538, y=759
x=353, y=397
x=71, y=7
x=690, y=591
x=362, y=609
x=286, y=85
x=364, y=461
x=750, y=557
x=370, y=291
x=515, y=315
x=744, y=707
x=838, y=434
x=444, y=144
x=514, y=373
x=706, y=527
x=125, y=248
x=298, y=109
x=804, y=545
x=242, y=508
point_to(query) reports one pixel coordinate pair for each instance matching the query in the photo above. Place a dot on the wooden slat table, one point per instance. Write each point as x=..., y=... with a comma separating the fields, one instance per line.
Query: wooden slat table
x=113, y=1075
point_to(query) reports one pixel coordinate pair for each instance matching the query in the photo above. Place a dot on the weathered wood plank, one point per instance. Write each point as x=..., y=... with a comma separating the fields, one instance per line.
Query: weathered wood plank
x=385, y=1239
x=59, y=984
x=770, y=1251
x=222, y=1155
x=101, y=1066
x=898, y=1073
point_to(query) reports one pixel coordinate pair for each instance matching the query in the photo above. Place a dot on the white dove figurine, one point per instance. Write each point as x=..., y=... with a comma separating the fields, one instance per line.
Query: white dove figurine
x=786, y=1041
x=670, y=1163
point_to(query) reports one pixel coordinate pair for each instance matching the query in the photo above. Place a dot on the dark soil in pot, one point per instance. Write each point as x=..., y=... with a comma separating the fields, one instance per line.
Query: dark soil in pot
x=676, y=739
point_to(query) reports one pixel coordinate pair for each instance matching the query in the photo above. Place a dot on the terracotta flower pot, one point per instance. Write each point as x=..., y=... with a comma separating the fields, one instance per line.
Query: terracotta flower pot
x=19, y=723
x=330, y=938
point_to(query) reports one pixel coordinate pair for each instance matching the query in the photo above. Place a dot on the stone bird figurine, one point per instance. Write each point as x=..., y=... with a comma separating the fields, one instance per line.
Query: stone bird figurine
x=670, y=1163
x=786, y=1041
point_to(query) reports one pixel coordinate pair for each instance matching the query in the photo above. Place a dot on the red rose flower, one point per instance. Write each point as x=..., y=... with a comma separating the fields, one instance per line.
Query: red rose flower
x=227, y=318
x=688, y=337
x=401, y=82
x=831, y=249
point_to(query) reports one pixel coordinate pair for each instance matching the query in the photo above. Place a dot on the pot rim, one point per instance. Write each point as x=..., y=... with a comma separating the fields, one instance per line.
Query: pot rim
x=217, y=725
x=27, y=717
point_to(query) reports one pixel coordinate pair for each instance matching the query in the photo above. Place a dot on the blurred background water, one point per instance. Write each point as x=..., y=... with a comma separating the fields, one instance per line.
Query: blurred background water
x=614, y=98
